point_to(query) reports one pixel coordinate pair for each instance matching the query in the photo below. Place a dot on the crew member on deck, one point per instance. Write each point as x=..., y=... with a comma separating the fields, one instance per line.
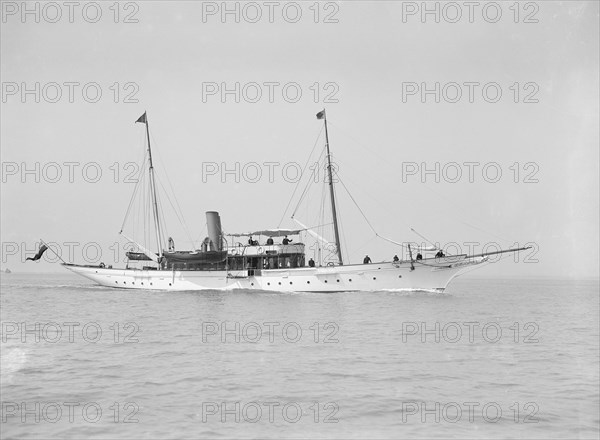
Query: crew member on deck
x=440, y=254
x=286, y=240
x=419, y=257
x=270, y=241
x=311, y=263
x=366, y=260
x=396, y=259
x=171, y=244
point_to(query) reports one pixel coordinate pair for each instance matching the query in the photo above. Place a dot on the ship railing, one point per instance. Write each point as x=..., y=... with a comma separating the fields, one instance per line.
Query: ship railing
x=264, y=249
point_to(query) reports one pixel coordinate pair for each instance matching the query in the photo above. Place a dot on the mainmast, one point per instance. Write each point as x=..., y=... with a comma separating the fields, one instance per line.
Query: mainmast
x=144, y=119
x=323, y=115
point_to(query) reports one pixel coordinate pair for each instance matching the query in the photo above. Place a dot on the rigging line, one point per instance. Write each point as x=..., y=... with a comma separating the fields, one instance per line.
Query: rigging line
x=141, y=213
x=340, y=221
x=424, y=238
x=303, y=170
x=164, y=228
x=139, y=185
x=177, y=214
x=328, y=213
x=320, y=219
x=391, y=241
x=201, y=233
x=131, y=203
x=368, y=150
x=439, y=195
x=139, y=203
x=373, y=198
x=322, y=208
x=135, y=189
x=385, y=208
x=343, y=232
x=178, y=210
x=365, y=217
x=359, y=209
x=304, y=174
x=150, y=217
x=317, y=226
x=308, y=183
x=446, y=199
x=145, y=202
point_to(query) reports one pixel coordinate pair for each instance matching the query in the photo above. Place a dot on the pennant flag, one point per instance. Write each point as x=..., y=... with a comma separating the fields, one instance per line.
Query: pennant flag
x=321, y=114
x=43, y=249
x=142, y=119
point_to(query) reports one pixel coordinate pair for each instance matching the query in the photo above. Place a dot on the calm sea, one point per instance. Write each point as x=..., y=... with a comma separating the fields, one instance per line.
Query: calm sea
x=487, y=359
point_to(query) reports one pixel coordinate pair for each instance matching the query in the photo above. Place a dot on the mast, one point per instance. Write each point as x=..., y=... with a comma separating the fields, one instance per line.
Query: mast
x=144, y=119
x=323, y=115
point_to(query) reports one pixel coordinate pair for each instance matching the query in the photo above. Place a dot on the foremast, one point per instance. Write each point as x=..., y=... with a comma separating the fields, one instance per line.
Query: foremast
x=323, y=115
x=144, y=119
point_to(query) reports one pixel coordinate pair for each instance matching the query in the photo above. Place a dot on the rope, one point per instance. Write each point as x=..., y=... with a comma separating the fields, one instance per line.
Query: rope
x=308, y=184
x=178, y=214
x=137, y=185
x=366, y=219
x=303, y=171
x=444, y=199
x=356, y=204
x=178, y=211
x=424, y=238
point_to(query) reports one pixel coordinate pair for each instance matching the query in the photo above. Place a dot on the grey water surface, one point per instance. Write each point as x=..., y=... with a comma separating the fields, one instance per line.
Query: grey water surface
x=487, y=359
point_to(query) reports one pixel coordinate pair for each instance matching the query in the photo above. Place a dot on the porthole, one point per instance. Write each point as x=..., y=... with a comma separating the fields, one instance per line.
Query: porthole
x=308, y=282
x=268, y=284
x=291, y=282
x=124, y=282
x=399, y=276
x=116, y=282
x=350, y=280
x=325, y=280
x=169, y=284
x=142, y=283
x=338, y=281
x=252, y=284
x=150, y=283
x=280, y=283
x=374, y=278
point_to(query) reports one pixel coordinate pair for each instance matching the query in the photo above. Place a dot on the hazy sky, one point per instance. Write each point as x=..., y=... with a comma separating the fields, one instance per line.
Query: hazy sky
x=360, y=55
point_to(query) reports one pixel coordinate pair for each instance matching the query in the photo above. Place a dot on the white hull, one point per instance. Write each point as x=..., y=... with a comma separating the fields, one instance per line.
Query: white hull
x=430, y=275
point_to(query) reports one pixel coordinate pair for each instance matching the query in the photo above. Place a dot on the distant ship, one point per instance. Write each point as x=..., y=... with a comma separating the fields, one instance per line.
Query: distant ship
x=268, y=265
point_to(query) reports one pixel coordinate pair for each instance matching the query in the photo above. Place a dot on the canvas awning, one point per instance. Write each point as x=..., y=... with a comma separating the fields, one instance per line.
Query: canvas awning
x=269, y=233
